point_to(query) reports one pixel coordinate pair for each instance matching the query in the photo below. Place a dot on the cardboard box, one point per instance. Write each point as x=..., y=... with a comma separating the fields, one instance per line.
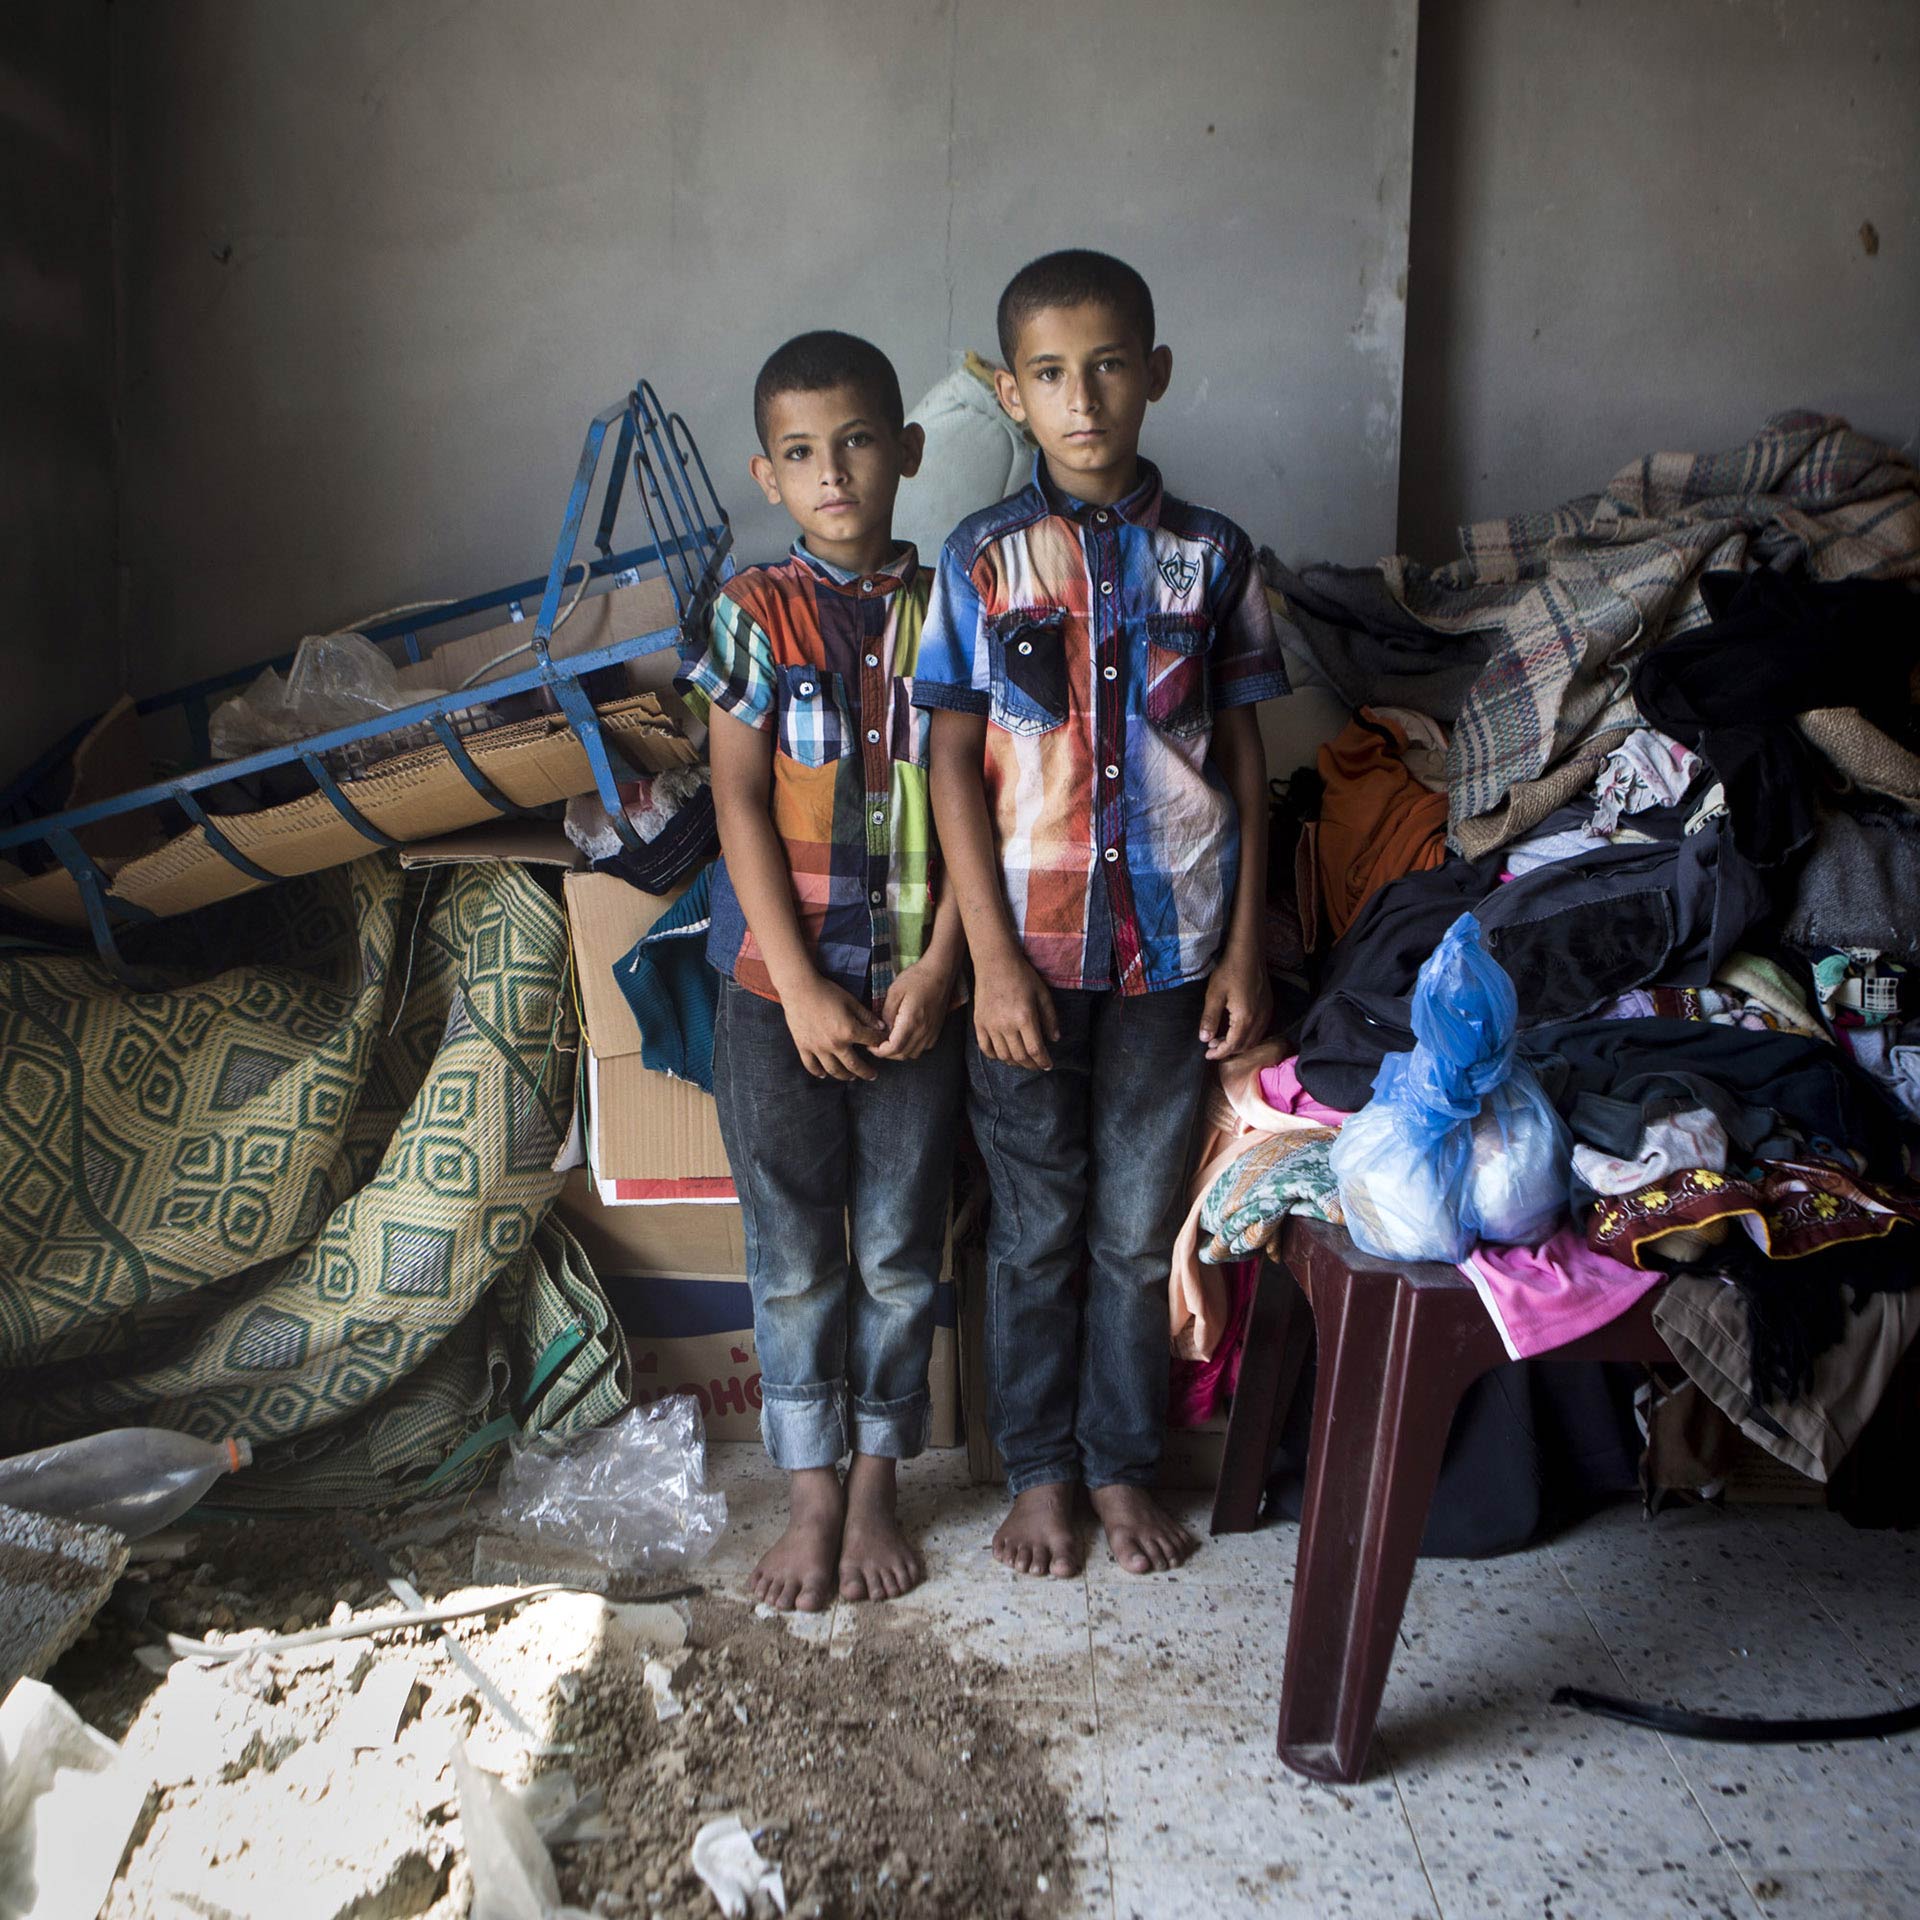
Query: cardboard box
x=693, y=1241
x=412, y=795
x=514, y=843
x=676, y=1277
x=655, y=1138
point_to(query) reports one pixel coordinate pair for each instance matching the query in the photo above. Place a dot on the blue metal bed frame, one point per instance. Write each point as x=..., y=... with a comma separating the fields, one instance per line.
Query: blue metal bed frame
x=691, y=542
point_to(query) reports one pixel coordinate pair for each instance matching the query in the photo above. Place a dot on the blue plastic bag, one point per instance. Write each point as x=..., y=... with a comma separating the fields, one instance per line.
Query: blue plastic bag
x=1458, y=1143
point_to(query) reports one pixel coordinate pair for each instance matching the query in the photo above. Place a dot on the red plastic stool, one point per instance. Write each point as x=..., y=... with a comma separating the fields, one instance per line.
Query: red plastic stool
x=1398, y=1346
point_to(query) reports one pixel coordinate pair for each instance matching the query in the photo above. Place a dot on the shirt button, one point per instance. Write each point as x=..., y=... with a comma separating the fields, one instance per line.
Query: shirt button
x=873, y=659
x=1026, y=646
x=1109, y=673
x=806, y=689
x=876, y=896
x=873, y=736
x=1106, y=586
x=1113, y=854
x=1113, y=773
x=866, y=586
x=879, y=818
x=1101, y=517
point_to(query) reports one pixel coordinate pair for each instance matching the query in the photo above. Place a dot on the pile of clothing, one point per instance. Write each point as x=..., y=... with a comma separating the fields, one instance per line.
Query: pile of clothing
x=1663, y=744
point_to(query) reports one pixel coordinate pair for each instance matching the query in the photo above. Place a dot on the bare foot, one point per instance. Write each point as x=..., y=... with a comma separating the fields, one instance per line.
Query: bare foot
x=877, y=1560
x=1038, y=1535
x=1144, y=1536
x=797, y=1570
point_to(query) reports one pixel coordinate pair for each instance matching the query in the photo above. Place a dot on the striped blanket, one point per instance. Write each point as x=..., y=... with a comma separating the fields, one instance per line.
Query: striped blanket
x=1575, y=596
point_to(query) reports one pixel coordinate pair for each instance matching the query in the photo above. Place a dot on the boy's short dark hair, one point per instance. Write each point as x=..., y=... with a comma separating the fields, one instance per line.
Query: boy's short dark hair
x=1075, y=277
x=812, y=362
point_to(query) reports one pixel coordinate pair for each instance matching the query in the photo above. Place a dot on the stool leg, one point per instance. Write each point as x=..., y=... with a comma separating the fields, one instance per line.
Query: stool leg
x=1394, y=1361
x=1269, y=1371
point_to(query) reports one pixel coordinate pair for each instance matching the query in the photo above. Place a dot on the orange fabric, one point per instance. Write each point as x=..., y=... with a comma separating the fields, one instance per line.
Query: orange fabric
x=1376, y=820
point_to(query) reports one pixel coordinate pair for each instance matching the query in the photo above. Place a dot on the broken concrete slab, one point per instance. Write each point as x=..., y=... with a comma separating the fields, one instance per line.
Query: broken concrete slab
x=69, y=1803
x=55, y=1575
x=373, y=1714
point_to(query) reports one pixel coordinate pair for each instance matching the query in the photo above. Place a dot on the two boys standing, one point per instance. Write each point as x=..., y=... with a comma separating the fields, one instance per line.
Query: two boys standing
x=1042, y=757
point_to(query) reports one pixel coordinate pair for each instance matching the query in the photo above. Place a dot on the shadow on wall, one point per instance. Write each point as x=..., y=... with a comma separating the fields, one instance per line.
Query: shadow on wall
x=57, y=575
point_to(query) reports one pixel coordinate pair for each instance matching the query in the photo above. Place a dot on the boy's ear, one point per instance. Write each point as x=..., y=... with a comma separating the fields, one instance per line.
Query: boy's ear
x=913, y=448
x=762, y=470
x=1008, y=390
x=1159, y=371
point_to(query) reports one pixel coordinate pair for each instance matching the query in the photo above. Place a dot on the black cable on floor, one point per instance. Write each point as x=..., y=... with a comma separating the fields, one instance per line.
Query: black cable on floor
x=1688, y=1725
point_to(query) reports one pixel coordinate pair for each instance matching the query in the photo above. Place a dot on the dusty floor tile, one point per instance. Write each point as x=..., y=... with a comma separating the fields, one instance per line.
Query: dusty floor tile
x=1176, y=1641
x=1269, y=1881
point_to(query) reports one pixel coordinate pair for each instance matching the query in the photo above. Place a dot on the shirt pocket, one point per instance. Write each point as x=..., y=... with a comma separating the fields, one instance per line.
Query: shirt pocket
x=1178, y=701
x=1028, y=655
x=813, y=716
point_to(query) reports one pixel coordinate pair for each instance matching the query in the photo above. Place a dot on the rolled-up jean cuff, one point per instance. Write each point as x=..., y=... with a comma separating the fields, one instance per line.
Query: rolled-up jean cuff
x=1146, y=1482
x=892, y=1429
x=804, y=1426
x=1030, y=1477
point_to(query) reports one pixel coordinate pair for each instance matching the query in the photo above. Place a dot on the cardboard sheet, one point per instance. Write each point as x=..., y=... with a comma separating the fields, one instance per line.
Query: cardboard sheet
x=655, y=1138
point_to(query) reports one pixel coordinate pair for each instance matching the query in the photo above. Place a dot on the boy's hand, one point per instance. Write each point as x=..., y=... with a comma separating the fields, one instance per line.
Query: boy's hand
x=1239, y=1004
x=1013, y=1016
x=915, y=1010
x=832, y=1031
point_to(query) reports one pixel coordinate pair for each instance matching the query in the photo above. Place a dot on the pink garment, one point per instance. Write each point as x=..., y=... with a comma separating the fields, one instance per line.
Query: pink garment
x=1542, y=1297
x=1235, y=1116
x=1201, y=1387
x=1281, y=1089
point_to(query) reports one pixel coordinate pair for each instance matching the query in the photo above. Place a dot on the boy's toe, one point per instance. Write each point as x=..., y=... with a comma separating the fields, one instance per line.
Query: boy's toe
x=853, y=1585
x=814, y=1595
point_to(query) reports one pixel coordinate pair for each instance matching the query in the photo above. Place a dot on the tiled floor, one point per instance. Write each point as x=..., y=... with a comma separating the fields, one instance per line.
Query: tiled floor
x=1482, y=1799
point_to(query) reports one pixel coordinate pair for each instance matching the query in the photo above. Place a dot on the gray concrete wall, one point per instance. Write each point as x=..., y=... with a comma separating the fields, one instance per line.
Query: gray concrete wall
x=382, y=259
x=56, y=375
x=1639, y=225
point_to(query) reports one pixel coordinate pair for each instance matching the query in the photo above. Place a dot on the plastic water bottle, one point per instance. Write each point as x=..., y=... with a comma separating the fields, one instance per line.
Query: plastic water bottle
x=132, y=1479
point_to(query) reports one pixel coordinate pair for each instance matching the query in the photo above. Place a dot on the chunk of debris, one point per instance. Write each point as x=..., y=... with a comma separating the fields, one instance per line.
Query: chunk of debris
x=725, y=1857
x=56, y=1575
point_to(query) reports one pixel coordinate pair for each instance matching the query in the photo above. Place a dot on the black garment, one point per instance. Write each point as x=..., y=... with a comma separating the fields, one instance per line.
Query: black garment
x=689, y=840
x=1859, y=885
x=1373, y=650
x=1573, y=936
x=1811, y=1087
x=1778, y=645
x=1535, y=1446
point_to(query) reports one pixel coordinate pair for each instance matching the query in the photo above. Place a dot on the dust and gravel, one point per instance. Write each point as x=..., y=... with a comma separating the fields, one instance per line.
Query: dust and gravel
x=886, y=1775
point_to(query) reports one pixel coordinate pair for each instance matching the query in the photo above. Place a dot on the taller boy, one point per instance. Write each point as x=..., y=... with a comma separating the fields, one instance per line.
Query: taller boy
x=1093, y=652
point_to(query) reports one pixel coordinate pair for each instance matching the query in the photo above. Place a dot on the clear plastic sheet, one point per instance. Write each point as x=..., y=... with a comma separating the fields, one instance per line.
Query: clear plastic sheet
x=336, y=680
x=632, y=1494
x=1458, y=1143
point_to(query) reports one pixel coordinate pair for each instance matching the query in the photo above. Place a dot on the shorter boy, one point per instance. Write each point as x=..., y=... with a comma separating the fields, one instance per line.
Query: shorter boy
x=837, y=1070
x=1093, y=651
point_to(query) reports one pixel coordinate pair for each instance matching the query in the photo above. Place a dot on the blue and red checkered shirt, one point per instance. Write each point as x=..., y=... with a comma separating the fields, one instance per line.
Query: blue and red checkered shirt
x=1100, y=642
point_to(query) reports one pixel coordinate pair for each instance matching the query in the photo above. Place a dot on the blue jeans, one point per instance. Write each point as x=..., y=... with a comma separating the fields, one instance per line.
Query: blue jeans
x=1088, y=1169
x=843, y=1196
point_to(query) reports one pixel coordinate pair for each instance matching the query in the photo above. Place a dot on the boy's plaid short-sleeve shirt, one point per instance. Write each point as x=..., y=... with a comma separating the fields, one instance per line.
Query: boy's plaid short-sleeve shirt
x=824, y=660
x=1100, y=642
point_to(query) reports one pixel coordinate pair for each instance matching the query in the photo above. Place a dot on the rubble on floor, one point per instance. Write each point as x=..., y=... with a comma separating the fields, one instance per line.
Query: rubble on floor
x=56, y=1575
x=888, y=1777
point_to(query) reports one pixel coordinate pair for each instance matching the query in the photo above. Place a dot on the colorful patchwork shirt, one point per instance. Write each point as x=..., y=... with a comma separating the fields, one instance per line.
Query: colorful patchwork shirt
x=1100, y=642
x=824, y=661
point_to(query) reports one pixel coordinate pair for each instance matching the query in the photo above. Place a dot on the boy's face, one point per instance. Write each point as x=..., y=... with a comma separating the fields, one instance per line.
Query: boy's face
x=835, y=464
x=1082, y=382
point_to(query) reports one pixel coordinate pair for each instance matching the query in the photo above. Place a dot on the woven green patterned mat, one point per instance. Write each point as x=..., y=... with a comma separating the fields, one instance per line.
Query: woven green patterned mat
x=303, y=1198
